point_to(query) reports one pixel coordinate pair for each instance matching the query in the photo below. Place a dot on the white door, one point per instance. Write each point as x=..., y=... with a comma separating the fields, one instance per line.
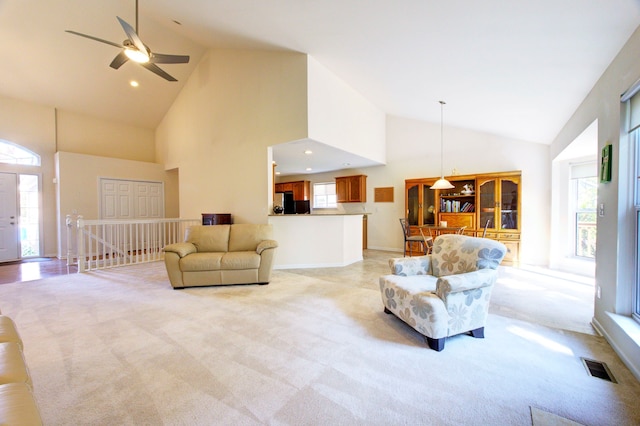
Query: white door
x=9, y=237
x=126, y=199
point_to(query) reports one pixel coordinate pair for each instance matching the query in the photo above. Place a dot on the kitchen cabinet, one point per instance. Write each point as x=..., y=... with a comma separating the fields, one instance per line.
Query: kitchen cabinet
x=351, y=189
x=476, y=201
x=301, y=189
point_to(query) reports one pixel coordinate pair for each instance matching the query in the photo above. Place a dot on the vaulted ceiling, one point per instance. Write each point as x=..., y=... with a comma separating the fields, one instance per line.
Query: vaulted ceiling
x=517, y=69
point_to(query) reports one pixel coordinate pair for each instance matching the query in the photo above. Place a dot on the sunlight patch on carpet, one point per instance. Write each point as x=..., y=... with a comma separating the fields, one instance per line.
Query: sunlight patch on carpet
x=544, y=418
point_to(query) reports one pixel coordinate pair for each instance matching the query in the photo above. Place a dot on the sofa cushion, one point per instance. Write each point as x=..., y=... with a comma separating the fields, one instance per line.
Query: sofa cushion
x=13, y=368
x=18, y=405
x=214, y=238
x=201, y=261
x=240, y=260
x=8, y=331
x=246, y=237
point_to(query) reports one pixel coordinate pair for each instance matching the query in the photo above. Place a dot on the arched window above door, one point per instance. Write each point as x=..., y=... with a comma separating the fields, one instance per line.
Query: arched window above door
x=15, y=154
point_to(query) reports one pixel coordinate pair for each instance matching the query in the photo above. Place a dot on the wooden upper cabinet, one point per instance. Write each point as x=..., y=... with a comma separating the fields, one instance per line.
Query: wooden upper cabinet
x=351, y=189
x=301, y=189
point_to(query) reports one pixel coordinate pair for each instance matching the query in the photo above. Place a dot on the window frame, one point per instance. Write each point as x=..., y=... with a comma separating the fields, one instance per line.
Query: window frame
x=315, y=195
x=35, y=159
x=635, y=293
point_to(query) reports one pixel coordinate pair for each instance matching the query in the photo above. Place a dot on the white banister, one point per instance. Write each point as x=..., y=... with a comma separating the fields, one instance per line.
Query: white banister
x=110, y=243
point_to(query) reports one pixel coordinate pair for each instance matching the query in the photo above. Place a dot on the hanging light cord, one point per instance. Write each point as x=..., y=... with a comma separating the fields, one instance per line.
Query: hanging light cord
x=442, y=103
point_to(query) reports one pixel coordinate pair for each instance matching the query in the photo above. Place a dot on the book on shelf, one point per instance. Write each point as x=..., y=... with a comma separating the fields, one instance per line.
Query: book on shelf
x=455, y=206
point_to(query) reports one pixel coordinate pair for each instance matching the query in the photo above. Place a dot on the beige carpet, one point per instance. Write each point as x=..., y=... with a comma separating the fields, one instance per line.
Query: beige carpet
x=121, y=347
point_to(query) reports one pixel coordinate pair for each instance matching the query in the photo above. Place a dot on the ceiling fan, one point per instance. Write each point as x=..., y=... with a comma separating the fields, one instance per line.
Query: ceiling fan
x=133, y=48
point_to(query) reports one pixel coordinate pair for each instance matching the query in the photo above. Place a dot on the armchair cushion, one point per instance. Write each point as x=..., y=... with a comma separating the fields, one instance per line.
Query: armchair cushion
x=458, y=254
x=406, y=266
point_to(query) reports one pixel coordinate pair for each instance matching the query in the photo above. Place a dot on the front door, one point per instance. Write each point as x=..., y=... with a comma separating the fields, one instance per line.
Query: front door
x=9, y=237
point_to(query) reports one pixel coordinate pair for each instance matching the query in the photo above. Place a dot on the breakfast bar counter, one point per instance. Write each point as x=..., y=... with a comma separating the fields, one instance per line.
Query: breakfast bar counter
x=317, y=240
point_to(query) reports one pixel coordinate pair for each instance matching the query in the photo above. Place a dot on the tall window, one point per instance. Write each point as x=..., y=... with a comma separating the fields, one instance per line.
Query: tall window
x=324, y=195
x=585, y=191
x=636, y=292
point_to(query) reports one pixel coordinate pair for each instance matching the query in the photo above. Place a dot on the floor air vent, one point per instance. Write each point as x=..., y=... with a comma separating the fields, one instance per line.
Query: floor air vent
x=598, y=369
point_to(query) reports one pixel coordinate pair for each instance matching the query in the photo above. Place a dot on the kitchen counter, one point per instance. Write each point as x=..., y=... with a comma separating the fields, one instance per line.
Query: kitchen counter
x=317, y=240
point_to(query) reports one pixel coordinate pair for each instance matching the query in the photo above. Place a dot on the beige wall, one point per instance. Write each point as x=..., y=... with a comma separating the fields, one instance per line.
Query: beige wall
x=78, y=184
x=45, y=130
x=234, y=106
x=615, y=246
x=93, y=136
x=33, y=127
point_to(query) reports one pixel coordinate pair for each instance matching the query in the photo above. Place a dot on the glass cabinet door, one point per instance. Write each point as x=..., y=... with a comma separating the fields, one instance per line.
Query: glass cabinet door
x=428, y=205
x=509, y=203
x=487, y=200
x=413, y=204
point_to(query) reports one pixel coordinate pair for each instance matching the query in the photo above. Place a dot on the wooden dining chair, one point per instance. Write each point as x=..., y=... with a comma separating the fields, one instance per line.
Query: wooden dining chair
x=410, y=239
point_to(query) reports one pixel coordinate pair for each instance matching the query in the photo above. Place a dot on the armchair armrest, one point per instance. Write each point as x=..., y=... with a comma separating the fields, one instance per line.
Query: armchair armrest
x=181, y=249
x=266, y=244
x=406, y=266
x=463, y=282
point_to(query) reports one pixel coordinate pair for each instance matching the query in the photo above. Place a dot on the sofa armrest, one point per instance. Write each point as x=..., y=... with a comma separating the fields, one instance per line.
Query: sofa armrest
x=463, y=282
x=266, y=244
x=181, y=249
x=406, y=266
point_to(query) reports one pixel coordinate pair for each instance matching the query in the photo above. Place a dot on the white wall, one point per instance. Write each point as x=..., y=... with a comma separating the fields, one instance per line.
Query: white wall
x=615, y=246
x=343, y=118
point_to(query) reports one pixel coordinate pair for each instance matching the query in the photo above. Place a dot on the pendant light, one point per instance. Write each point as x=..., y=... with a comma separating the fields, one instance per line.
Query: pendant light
x=442, y=183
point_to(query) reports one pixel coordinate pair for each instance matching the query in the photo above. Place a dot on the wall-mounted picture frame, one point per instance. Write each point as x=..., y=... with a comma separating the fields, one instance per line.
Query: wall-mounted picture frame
x=605, y=163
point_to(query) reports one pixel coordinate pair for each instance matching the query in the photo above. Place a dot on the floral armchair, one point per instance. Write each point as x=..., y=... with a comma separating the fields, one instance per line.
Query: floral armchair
x=447, y=292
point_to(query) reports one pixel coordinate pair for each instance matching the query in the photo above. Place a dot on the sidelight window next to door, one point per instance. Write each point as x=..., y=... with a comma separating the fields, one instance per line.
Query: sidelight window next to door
x=29, y=216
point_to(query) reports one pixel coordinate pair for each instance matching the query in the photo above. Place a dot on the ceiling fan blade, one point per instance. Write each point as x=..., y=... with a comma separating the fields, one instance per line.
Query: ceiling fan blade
x=161, y=58
x=157, y=70
x=131, y=33
x=120, y=59
x=95, y=38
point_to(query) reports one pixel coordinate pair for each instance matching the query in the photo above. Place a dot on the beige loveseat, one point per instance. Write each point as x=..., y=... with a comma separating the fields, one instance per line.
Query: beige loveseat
x=221, y=255
x=17, y=403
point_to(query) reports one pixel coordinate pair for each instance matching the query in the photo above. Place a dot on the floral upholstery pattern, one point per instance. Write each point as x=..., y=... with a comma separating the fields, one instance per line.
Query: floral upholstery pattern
x=447, y=292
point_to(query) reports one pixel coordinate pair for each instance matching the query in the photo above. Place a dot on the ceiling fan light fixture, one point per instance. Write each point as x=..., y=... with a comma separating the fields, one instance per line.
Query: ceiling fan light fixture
x=136, y=55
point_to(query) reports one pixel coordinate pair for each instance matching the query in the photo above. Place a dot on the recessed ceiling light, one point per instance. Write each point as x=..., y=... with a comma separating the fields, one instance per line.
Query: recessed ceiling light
x=308, y=151
x=277, y=173
x=309, y=169
x=134, y=83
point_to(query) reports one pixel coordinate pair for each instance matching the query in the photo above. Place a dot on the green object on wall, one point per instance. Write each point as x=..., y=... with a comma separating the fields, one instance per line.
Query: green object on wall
x=605, y=163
